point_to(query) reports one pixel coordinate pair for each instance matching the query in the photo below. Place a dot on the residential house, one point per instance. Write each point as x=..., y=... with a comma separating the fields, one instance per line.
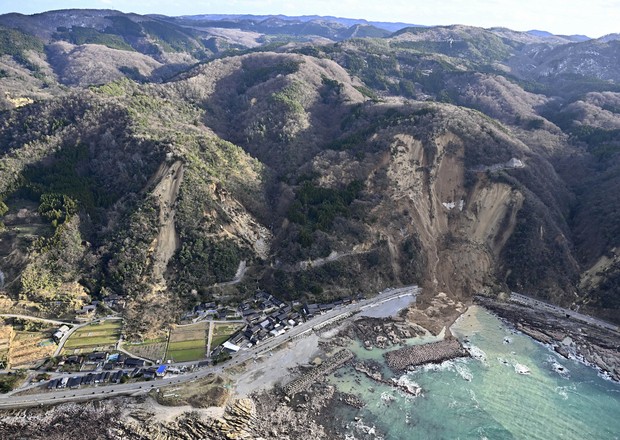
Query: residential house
x=97, y=357
x=134, y=362
x=231, y=347
x=74, y=382
x=161, y=371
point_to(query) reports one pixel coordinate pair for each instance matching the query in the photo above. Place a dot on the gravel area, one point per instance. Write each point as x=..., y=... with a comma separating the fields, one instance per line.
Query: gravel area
x=269, y=370
x=389, y=308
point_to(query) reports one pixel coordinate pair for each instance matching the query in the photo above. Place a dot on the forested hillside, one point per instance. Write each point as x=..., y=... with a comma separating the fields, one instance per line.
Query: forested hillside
x=148, y=157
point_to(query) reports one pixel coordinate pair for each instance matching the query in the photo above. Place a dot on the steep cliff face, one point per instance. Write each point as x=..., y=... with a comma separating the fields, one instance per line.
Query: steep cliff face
x=461, y=230
x=460, y=215
x=443, y=190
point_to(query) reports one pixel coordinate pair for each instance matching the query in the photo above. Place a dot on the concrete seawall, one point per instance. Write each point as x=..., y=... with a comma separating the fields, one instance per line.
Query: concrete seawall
x=306, y=380
x=422, y=354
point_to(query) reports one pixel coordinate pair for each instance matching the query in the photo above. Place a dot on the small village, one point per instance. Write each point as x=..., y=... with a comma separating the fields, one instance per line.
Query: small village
x=266, y=316
x=91, y=352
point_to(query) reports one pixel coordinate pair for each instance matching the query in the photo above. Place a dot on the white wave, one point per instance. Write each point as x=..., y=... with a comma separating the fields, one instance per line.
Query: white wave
x=413, y=389
x=503, y=361
x=476, y=353
x=482, y=433
x=386, y=397
x=464, y=372
x=366, y=431
x=521, y=369
x=562, y=392
x=472, y=395
x=444, y=366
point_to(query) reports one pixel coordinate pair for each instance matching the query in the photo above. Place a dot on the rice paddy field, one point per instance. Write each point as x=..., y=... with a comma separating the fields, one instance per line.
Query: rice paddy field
x=6, y=334
x=94, y=337
x=188, y=342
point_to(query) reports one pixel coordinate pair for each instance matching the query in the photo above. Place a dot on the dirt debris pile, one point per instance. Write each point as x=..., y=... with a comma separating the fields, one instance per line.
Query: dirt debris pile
x=382, y=332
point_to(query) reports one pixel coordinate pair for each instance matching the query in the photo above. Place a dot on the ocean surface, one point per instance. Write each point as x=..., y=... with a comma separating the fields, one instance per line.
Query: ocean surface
x=484, y=397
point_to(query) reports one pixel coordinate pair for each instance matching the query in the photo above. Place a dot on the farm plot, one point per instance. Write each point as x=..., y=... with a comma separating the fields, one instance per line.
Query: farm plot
x=94, y=337
x=152, y=349
x=222, y=332
x=27, y=348
x=188, y=342
x=6, y=335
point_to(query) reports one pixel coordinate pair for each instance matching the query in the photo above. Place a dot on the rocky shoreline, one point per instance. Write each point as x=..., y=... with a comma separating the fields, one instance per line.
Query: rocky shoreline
x=381, y=332
x=591, y=344
x=304, y=408
x=372, y=372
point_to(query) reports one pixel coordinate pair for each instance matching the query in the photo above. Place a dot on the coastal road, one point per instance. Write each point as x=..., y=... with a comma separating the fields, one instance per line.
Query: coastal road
x=538, y=304
x=82, y=394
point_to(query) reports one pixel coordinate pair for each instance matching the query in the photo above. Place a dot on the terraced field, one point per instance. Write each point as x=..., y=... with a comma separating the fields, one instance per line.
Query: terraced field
x=188, y=342
x=27, y=348
x=6, y=335
x=94, y=337
x=152, y=349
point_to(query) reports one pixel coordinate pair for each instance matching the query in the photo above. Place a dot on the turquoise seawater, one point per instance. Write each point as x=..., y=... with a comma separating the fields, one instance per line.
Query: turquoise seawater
x=486, y=398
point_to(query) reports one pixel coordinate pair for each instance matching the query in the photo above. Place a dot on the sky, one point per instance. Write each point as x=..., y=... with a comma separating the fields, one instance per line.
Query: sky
x=594, y=18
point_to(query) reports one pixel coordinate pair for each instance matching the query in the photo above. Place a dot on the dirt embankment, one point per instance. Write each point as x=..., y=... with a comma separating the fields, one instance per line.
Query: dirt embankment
x=436, y=313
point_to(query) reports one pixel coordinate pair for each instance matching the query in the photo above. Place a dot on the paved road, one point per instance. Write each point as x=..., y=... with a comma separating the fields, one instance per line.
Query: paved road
x=531, y=302
x=88, y=393
x=209, y=337
x=215, y=321
x=35, y=318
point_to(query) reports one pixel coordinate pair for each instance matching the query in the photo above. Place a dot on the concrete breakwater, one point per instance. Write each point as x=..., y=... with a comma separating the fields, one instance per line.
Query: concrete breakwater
x=372, y=372
x=328, y=366
x=435, y=352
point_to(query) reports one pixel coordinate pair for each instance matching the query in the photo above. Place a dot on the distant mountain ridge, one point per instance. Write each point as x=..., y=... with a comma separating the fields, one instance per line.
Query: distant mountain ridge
x=388, y=26
x=545, y=34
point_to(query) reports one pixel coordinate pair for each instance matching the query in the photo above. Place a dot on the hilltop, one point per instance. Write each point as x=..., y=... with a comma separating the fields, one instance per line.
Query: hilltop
x=148, y=157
